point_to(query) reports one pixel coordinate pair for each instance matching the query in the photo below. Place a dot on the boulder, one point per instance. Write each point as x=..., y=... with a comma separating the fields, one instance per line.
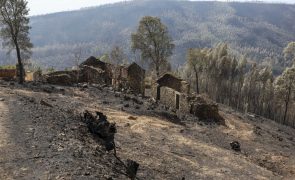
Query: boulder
x=235, y=145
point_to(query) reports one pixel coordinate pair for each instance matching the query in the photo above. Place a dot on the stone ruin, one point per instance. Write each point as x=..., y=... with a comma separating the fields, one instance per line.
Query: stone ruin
x=98, y=72
x=175, y=93
x=7, y=74
x=61, y=77
x=205, y=110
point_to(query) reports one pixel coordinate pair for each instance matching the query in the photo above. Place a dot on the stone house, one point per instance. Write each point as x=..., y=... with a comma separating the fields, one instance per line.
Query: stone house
x=135, y=78
x=93, y=75
x=172, y=92
x=97, y=71
x=175, y=93
x=127, y=77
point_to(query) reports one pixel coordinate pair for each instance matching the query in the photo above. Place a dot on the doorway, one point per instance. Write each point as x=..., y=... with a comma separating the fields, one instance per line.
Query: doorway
x=158, y=92
x=177, y=101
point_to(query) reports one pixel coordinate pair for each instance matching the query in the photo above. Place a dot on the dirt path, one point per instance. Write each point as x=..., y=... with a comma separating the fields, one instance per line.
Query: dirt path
x=15, y=138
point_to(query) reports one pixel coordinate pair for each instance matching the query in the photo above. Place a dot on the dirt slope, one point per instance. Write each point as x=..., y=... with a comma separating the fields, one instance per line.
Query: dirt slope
x=42, y=142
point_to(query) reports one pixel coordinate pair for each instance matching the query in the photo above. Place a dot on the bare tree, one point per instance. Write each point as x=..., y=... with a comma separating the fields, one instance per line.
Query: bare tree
x=285, y=88
x=78, y=54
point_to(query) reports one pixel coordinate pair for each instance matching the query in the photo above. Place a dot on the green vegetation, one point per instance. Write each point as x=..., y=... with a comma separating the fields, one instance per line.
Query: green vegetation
x=8, y=67
x=154, y=43
x=289, y=53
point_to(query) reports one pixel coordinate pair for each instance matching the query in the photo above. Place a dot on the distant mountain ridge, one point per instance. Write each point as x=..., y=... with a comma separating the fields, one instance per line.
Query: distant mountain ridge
x=258, y=30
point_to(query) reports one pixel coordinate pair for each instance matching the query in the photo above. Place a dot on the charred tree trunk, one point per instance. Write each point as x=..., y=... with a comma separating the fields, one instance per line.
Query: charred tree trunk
x=20, y=64
x=100, y=126
x=197, y=82
x=157, y=70
x=286, y=105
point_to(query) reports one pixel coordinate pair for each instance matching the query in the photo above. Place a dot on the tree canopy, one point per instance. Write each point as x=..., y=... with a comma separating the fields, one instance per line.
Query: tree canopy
x=289, y=53
x=153, y=41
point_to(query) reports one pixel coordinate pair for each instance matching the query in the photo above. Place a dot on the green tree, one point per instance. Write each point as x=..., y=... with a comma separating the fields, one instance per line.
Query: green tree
x=153, y=41
x=285, y=88
x=15, y=30
x=289, y=52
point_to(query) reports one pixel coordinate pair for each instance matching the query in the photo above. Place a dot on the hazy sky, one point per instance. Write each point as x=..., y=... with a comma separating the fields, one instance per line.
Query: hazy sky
x=48, y=6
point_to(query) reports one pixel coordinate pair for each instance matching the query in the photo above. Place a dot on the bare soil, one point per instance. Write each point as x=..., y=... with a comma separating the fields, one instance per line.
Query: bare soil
x=43, y=137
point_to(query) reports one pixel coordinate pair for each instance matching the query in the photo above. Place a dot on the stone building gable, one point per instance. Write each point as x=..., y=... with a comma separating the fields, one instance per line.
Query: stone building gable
x=172, y=92
x=135, y=78
x=110, y=70
x=93, y=75
x=169, y=80
x=94, y=62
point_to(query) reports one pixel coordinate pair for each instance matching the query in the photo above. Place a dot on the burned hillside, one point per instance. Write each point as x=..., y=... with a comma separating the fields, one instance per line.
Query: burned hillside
x=43, y=136
x=159, y=108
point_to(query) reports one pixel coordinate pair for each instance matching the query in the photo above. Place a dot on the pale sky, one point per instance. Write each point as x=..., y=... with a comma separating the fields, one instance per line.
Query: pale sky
x=38, y=7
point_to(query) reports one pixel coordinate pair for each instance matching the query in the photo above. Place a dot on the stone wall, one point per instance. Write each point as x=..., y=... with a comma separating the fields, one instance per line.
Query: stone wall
x=127, y=77
x=95, y=71
x=62, y=77
x=168, y=97
x=37, y=76
x=185, y=105
x=7, y=73
x=136, y=76
x=175, y=83
x=93, y=75
x=206, y=109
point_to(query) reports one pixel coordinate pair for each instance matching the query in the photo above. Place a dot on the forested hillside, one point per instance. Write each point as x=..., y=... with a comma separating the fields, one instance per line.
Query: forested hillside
x=259, y=31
